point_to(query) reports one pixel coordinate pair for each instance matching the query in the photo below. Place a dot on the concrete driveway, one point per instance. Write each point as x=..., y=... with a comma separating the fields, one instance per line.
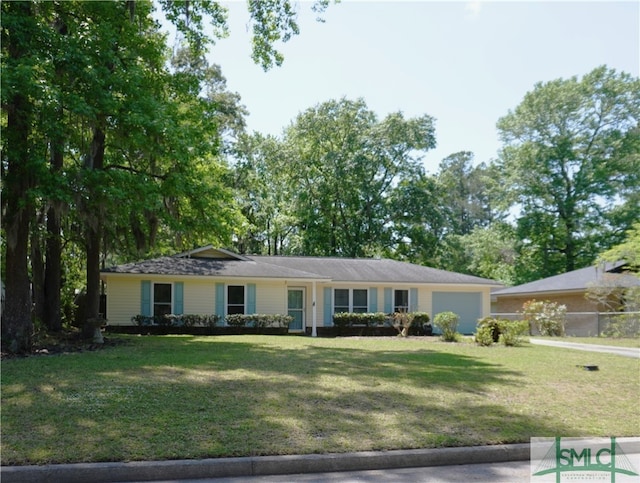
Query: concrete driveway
x=620, y=351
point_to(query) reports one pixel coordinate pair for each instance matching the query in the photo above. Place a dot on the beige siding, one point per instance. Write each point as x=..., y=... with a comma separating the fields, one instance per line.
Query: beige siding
x=123, y=300
x=271, y=298
x=123, y=296
x=424, y=299
x=199, y=297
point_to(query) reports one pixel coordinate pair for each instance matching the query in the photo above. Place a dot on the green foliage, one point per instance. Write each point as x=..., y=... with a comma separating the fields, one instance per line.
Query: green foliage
x=467, y=189
x=409, y=323
x=569, y=156
x=419, y=220
x=198, y=320
x=116, y=144
x=623, y=325
x=484, y=336
x=258, y=321
x=350, y=319
x=549, y=318
x=628, y=250
x=447, y=323
x=615, y=292
x=420, y=318
x=274, y=21
x=170, y=320
x=491, y=252
x=490, y=328
x=342, y=166
x=507, y=332
x=513, y=332
x=264, y=196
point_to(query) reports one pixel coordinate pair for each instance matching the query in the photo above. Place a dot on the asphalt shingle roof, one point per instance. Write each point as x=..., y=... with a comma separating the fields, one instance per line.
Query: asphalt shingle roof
x=209, y=267
x=318, y=268
x=577, y=280
x=372, y=270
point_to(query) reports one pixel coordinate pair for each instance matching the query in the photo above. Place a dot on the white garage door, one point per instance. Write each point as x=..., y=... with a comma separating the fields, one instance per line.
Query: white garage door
x=468, y=306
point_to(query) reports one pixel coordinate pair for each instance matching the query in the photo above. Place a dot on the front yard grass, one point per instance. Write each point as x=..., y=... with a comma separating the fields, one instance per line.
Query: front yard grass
x=173, y=397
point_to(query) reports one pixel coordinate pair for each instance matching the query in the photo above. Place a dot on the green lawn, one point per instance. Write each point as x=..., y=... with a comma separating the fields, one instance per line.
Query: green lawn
x=194, y=397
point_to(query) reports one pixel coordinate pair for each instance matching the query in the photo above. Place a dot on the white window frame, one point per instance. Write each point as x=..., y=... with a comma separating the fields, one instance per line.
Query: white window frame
x=244, y=298
x=351, y=306
x=153, y=297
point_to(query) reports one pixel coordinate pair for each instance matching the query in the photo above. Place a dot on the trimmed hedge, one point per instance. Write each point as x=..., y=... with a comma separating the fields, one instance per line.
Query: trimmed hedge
x=171, y=320
x=350, y=319
x=259, y=321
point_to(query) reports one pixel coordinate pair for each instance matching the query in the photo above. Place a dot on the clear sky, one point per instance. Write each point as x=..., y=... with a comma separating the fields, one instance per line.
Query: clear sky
x=464, y=63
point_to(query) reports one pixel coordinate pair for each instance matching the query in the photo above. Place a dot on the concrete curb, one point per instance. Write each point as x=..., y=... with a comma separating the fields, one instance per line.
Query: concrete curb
x=262, y=465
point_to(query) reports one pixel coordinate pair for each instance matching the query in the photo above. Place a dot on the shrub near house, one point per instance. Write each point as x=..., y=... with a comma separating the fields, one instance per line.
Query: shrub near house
x=548, y=318
x=507, y=332
x=447, y=322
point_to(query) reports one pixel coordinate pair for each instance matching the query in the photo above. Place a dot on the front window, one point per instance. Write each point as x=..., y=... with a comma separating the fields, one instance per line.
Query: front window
x=401, y=301
x=350, y=300
x=341, y=300
x=235, y=299
x=360, y=304
x=161, y=299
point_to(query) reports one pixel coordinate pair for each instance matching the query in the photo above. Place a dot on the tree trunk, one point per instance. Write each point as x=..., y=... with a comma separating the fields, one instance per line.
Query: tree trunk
x=37, y=274
x=93, y=236
x=17, y=326
x=53, y=248
x=53, y=273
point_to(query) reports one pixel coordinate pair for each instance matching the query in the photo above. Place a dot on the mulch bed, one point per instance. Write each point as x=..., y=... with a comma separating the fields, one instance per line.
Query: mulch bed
x=63, y=343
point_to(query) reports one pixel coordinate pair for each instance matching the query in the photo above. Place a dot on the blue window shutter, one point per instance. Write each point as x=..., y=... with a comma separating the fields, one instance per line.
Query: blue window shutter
x=388, y=303
x=373, y=299
x=145, y=298
x=251, y=299
x=327, y=304
x=413, y=299
x=178, y=293
x=220, y=301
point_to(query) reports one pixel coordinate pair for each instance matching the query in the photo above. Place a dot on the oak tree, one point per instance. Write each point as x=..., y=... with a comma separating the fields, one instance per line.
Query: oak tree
x=570, y=155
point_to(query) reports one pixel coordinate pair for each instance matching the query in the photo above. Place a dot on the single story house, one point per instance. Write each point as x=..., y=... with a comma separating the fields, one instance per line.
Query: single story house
x=567, y=288
x=210, y=280
x=570, y=289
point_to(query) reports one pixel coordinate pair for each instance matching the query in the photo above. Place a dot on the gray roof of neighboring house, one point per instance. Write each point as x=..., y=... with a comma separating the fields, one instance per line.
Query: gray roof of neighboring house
x=577, y=280
x=317, y=268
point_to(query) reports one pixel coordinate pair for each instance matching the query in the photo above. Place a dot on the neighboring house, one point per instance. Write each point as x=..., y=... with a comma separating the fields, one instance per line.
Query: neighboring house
x=570, y=289
x=311, y=289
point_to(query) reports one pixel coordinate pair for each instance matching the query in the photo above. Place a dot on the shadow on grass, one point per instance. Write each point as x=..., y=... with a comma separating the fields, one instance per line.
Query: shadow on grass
x=190, y=397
